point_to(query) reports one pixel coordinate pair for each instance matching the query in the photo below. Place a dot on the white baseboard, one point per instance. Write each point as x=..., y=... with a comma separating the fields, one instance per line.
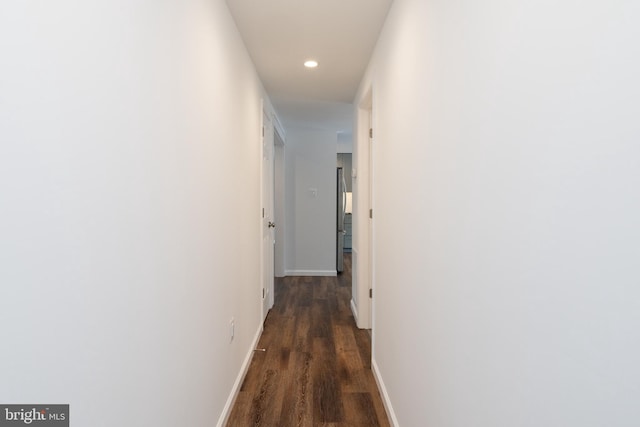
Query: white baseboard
x=383, y=392
x=311, y=273
x=224, y=417
x=354, y=311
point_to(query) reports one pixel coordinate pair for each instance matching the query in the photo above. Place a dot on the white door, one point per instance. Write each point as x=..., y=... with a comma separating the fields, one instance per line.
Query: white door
x=371, y=228
x=267, y=215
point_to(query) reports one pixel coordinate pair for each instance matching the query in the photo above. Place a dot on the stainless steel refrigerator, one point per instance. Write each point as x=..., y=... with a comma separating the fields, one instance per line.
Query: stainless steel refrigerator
x=341, y=230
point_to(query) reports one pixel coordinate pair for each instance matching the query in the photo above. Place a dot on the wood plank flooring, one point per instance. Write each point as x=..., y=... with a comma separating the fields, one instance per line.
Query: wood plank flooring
x=316, y=370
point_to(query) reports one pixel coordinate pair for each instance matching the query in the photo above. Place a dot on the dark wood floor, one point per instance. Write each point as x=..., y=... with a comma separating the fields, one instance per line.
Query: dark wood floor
x=316, y=370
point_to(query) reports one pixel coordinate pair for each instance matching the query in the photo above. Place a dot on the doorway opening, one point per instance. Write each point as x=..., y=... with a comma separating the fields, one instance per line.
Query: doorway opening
x=344, y=214
x=279, y=199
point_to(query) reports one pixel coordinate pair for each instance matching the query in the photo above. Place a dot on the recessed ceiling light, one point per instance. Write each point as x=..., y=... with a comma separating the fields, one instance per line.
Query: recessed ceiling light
x=311, y=63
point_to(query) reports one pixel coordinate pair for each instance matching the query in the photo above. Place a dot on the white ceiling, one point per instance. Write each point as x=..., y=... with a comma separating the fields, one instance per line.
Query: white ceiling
x=340, y=34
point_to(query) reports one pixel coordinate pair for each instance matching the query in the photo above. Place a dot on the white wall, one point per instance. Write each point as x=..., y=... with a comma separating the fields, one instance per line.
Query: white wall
x=124, y=251
x=345, y=142
x=310, y=163
x=506, y=289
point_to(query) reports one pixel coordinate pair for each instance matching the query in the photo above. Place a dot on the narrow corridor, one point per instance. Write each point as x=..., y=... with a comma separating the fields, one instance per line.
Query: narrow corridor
x=316, y=370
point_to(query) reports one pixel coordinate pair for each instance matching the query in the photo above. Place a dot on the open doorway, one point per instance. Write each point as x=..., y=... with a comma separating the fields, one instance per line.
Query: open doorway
x=279, y=199
x=344, y=210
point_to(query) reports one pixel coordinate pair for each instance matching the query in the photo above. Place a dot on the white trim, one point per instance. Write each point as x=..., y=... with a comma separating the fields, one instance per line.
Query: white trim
x=383, y=392
x=354, y=311
x=224, y=417
x=278, y=126
x=330, y=273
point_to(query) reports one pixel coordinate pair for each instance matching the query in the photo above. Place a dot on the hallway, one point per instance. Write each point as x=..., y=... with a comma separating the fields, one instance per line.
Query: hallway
x=495, y=177
x=316, y=369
